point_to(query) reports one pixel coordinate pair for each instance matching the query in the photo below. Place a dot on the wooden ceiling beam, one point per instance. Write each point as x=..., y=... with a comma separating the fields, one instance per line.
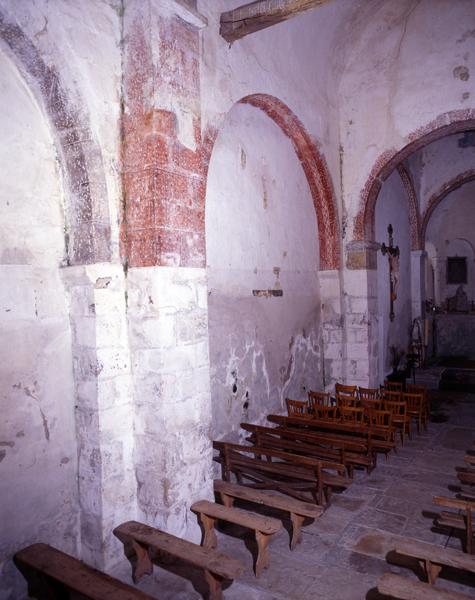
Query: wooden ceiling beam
x=260, y=14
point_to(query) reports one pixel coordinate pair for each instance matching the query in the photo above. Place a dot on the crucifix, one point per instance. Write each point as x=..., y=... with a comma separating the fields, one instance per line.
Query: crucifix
x=393, y=257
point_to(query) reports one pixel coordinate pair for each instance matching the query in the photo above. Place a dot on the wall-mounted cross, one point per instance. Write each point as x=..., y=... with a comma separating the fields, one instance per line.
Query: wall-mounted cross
x=393, y=257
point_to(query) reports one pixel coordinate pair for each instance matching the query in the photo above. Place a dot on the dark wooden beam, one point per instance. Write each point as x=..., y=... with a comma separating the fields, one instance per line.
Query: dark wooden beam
x=254, y=16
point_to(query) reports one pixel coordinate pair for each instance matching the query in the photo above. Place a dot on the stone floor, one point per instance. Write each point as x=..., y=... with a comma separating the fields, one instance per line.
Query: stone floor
x=343, y=553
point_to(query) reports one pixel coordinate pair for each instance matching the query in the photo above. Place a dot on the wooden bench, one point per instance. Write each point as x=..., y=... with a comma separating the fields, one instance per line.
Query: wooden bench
x=457, y=521
x=298, y=510
x=323, y=446
x=300, y=472
x=263, y=527
x=408, y=589
x=140, y=539
x=54, y=575
x=432, y=557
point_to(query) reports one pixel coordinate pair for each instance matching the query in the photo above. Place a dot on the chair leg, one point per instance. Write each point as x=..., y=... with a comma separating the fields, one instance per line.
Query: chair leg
x=262, y=561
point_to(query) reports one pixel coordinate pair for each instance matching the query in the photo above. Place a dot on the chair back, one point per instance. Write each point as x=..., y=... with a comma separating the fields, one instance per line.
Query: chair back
x=368, y=393
x=317, y=399
x=394, y=386
x=347, y=390
x=379, y=418
x=391, y=395
x=344, y=401
x=371, y=404
x=397, y=409
x=297, y=408
x=352, y=415
x=329, y=413
x=414, y=401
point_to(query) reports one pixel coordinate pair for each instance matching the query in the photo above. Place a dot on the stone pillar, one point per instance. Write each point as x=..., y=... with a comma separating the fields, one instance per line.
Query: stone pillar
x=168, y=325
x=360, y=313
x=332, y=338
x=417, y=283
x=103, y=408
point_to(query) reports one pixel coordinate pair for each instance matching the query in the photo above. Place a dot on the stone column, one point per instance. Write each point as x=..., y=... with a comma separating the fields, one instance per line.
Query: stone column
x=103, y=408
x=168, y=325
x=332, y=337
x=417, y=283
x=360, y=311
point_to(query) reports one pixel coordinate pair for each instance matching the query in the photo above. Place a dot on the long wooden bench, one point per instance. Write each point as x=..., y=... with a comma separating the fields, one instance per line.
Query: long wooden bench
x=300, y=472
x=298, y=510
x=264, y=527
x=379, y=436
x=54, y=575
x=327, y=446
x=434, y=557
x=403, y=588
x=140, y=540
x=457, y=521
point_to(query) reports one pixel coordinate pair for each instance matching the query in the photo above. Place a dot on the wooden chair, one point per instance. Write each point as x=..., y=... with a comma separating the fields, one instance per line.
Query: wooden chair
x=400, y=418
x=393, y=386
x=391, y=395
x=379, y=418
x=326, y=412
x=421, y=389
x=371, y=404
x=415, y=407
x=297, y=408
x=352, y=415
x=317, y=399
x=347, y=390
x=368, y=394
x=344, y=401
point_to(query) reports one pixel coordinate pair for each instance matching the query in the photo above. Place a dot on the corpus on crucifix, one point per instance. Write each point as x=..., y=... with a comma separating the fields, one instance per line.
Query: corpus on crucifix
x=393, y=257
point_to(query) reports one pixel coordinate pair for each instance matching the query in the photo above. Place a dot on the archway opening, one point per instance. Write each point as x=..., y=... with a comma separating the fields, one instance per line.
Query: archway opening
x=264, y=309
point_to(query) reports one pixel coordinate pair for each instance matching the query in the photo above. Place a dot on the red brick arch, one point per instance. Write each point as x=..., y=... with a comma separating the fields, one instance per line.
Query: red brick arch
x=448, y=187
x=314, y=166
x=413, y=207
x=444, y=125
x=88, y=225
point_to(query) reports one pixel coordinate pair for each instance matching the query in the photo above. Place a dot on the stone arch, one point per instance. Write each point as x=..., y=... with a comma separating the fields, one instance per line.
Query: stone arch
x=448, y=187
x=314, y=166
x=445, y=124
x=414, y=216
x=87, y=218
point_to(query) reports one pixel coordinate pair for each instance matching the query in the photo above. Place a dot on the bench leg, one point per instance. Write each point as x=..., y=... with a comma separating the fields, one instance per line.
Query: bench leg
x=143, y=565
x=214, y=584
x=262, y=561
x=431, y=570
x=297, y=521
x=209, y=535
x=228, y=501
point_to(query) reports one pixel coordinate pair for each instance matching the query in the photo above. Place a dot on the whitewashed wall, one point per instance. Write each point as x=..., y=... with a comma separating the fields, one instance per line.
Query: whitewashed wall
x=391, y=208
x=261, y=233
x=38, y=453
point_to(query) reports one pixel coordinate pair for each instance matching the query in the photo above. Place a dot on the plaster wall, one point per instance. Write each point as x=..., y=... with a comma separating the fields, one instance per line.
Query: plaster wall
x=391, y=208
x=443, y=161
x=396, y=83
x=293, y=61
x=80, y=42
x=38, y=453
x=450, y=232
x=261, y=234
